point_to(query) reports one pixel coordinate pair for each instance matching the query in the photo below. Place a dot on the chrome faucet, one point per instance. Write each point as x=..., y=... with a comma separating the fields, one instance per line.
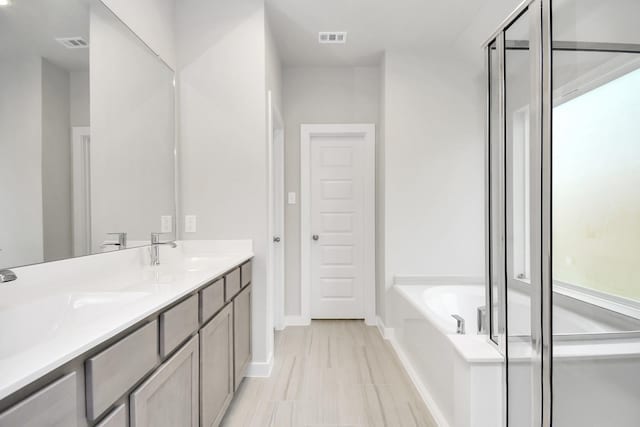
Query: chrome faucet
x=460, y=324
x=122, y=241
x=154, y=250
x=7, y=276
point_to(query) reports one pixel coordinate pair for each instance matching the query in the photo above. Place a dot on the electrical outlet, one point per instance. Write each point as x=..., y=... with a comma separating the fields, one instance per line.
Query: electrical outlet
x=166, y=223
x=189, y=223
x=291, y=198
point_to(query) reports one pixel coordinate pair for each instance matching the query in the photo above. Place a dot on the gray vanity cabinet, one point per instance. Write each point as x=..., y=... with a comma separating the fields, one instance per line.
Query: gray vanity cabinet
x=245, y=273
x=242, y=334
x=180, y=367
x=54, y=406
x=177, y=323
x=232, y=284
x=113, y=371
x=211, y=300
x=169, y=397
x=216, y=367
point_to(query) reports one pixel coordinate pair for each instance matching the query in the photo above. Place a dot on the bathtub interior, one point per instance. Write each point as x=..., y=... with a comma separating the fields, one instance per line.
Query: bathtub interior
x=441, y=302
x=571, y=316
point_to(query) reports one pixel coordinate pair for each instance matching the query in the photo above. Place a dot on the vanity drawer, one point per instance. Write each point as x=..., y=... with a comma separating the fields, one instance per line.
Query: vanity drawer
x=232, y=284
x=54, y=405
x=177, y=324
x=115, y=370
x=245, y=273
x=117, y=418
x=211, y=300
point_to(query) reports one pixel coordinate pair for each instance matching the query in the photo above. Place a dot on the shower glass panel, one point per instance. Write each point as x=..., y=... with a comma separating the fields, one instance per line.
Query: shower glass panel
x=596, y=212
x=520, y=373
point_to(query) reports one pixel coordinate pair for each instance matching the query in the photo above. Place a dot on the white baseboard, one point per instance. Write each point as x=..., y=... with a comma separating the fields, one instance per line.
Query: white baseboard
x=387, y=333
x=260, y=369
x=296, y=321
x=424, y=392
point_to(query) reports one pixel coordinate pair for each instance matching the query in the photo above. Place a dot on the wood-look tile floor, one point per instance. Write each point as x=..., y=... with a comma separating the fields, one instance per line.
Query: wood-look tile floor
x=331, y=373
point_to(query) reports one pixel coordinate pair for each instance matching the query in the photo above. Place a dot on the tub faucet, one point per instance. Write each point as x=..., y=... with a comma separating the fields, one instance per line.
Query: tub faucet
x=154, y=250
x=482, y=319
x=460, y=327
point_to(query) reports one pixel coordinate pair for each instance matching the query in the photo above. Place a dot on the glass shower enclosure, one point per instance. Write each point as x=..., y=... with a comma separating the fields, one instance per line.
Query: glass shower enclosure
x=563, y=211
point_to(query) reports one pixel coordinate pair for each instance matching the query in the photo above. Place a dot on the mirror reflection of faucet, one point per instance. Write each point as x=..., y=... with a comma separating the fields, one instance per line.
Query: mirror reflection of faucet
x=120, y=244
x=7, y=276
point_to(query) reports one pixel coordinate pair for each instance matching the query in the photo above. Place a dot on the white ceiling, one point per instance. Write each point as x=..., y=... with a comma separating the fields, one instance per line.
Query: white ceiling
x=372, y=25
x=30, y=27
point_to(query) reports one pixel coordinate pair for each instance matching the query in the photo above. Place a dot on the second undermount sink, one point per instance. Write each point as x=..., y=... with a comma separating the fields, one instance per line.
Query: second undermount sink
x=199, y=263
x=24, y=325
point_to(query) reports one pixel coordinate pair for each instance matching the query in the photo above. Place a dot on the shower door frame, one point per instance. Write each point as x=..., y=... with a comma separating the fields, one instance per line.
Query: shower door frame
x=541, y=47
x=540, y=114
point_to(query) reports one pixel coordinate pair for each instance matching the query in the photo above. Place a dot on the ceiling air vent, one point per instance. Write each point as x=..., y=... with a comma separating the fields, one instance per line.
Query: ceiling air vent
x=332, y=37
x=73, y=42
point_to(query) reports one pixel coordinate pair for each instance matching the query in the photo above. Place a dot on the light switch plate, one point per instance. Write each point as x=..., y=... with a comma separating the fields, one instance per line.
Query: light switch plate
x=189, y=223
x=291, y=198
x=166, y=222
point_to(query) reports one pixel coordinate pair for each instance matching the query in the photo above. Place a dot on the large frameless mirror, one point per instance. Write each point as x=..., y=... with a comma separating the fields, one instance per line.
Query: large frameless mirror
x=87, y=139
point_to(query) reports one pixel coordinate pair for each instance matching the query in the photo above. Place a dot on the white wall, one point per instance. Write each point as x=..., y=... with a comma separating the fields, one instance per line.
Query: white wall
x=318, y=95
x=434, y=162
x=21, y=160
x=274, y=68
x=132, y=134
x=56, y=163
x=223, y=150
x=152, y=21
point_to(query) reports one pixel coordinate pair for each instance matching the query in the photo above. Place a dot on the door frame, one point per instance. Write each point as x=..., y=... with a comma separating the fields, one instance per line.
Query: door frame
x=275, y=265
x=307, y=132
x=81, y=189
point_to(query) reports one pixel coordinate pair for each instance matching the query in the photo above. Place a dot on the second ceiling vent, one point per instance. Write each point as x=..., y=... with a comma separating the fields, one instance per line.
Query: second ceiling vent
x=73, y=42
x=332, y=37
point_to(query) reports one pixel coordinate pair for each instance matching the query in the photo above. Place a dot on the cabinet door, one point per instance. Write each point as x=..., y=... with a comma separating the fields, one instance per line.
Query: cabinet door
x=216, y=367
x=54, y=406
x=117, y=418
x=242, y=333
x=169, y=398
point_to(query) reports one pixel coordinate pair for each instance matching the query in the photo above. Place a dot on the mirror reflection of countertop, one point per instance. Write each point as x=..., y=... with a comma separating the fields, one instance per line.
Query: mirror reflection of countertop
x=57, y=311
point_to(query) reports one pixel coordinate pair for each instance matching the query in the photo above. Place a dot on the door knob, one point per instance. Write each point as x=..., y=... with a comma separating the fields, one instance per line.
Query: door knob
x=276, y=239
x=315, y=237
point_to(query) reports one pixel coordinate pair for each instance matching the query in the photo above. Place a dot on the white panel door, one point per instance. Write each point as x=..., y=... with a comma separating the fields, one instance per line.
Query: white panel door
x=337, y=226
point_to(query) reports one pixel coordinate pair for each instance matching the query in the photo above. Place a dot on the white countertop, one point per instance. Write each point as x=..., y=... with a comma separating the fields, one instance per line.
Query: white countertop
x=57, y=311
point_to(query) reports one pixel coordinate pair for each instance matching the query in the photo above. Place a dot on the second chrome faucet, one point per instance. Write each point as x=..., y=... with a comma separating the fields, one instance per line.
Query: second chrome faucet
x=154, y=250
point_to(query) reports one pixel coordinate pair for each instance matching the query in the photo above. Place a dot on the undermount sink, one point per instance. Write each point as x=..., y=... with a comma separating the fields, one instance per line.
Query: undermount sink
x=21, y=326
x=203, y=263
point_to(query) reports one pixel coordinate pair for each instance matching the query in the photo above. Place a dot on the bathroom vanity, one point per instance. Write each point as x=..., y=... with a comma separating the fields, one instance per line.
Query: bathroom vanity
x=116, y=342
